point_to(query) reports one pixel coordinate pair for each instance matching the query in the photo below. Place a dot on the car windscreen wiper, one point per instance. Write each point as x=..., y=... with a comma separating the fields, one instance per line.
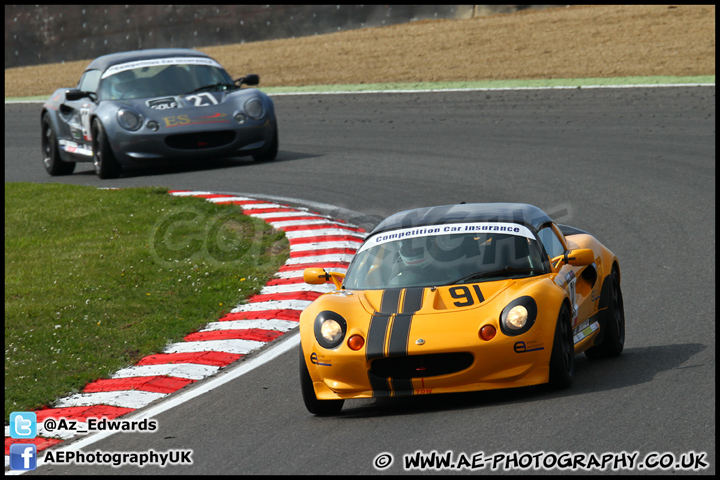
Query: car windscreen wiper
x=214, y=85
x=494, y=273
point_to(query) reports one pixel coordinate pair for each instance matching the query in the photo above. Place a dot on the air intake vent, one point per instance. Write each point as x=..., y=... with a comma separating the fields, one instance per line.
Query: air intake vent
x=200, y=140
x=415, y=366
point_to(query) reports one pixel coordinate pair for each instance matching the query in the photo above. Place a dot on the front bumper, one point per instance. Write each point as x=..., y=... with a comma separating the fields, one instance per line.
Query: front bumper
x=200, y=141
x=470, y=364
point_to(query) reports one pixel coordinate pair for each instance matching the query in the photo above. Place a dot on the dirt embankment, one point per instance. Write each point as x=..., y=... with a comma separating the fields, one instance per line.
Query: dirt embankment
x=564, y=42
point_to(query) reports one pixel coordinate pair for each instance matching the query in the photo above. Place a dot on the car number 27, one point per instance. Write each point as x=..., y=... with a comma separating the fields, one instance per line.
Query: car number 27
x=202, y=99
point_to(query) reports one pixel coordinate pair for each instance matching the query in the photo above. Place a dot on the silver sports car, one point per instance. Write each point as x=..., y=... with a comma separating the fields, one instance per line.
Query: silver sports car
x=158, y=105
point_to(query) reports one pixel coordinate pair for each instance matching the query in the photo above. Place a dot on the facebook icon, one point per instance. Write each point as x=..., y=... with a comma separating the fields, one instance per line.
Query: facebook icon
x=23, y=456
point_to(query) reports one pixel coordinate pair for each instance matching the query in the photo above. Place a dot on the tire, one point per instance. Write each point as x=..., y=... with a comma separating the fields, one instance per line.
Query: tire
x=106, y=165
x=54, y=165
x=562, y=358
x=269, y=151
x=313, y=405
x=614, y=339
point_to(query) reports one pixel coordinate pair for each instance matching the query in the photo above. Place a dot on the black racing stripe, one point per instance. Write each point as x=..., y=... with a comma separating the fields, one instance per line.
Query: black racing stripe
x=377, y=331
x=376, y=336
x=402, y=387
x=413, y=300
x=390, y=301
x=397, y=318
x=380, y=386
x=399, y=335
x=400, y=332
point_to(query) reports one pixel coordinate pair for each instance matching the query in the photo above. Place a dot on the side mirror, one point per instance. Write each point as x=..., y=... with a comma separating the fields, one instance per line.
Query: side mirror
x=580, y=257
x=75, y=94
x=250, y=80
x=577, y=258
x=315, y=276
x=318, y=276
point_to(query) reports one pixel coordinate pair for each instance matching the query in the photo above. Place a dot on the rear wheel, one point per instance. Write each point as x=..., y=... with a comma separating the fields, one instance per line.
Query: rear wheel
x=106, y=165
x=54, y=165
x=562, y=359
x=315, y=406
x=614, y=339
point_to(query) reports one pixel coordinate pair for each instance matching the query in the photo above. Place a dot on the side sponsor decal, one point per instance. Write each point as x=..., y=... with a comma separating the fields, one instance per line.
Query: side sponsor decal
x=320, y=360
x=182, y=120
x=166, y=103
x=530, y=346
x=85, y=122
x=72, y=147
x=585, y=329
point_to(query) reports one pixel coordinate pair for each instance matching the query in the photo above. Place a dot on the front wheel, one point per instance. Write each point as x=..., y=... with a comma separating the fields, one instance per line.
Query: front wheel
x=562, y=359
x=313, y=405
x=270, y=150
x=106, y=165
x=614, y=339
x=54, y=165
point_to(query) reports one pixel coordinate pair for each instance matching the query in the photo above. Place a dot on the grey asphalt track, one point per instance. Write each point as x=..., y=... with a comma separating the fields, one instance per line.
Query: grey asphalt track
x=635, y=167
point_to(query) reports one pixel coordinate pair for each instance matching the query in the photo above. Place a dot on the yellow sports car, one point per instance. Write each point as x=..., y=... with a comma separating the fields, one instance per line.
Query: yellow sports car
x=458, y=298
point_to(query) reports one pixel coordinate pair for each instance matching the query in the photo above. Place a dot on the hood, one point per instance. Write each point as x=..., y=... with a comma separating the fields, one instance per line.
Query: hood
x=172, y=103
x=203, y=109
x=424, y=300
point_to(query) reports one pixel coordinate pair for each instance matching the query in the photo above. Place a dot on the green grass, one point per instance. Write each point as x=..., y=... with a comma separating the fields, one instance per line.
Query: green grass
x=486, y=84
x=97, y=279
x=496, y=84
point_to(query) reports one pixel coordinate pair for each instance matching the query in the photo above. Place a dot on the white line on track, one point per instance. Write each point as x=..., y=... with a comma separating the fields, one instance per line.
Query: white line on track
x=486, y=89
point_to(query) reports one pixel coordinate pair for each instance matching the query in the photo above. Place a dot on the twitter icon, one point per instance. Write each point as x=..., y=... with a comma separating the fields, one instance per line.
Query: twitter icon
x=23, y=425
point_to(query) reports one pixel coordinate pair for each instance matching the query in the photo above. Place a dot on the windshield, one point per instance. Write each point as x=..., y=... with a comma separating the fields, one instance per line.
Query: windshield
x=445, y=255
x=161, y=77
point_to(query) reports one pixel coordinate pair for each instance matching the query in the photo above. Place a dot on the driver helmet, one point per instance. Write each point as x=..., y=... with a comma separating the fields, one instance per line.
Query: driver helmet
x=413, y=252
x=119, y=83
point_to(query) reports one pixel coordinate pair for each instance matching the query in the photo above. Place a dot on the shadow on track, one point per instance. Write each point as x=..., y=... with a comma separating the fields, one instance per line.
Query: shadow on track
x=635, y=366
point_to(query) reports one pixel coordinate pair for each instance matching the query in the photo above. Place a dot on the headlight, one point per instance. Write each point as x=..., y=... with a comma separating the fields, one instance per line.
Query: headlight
x=254, y=108
x=129, y=120
x=329, y=329
x=518, y=316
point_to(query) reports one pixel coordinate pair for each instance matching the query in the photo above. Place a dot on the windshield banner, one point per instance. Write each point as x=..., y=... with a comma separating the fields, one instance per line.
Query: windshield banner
x=157, y=62
x=448, y=229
